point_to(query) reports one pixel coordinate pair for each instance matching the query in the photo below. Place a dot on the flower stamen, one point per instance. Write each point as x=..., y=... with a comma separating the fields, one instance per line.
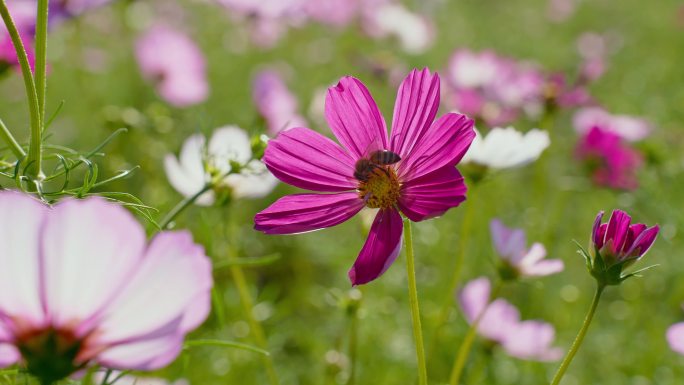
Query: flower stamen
x=381, y=189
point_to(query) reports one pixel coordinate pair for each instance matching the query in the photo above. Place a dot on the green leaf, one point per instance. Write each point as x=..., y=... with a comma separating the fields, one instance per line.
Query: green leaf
x=225, y=344
x=248, y=262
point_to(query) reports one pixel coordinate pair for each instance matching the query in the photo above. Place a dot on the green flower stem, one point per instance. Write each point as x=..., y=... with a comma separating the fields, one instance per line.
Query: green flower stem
x=248, y=307
x=353, y=338
x=466, y=345
x=464, y=238
x=580, y=336
x=41, y=56
x=413, y=300
x=11, y=142
x=34, y=155
x=182, y=205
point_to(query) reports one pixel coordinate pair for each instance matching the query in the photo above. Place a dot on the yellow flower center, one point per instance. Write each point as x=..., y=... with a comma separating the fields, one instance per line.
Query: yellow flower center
x=382, y=188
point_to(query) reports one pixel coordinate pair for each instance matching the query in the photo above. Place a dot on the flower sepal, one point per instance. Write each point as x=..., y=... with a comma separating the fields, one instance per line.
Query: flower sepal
x=609, y=271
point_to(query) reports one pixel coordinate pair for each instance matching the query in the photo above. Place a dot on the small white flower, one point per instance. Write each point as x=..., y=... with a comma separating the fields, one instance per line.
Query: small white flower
x=412, y=30
x=506, y=147
x=199, y=163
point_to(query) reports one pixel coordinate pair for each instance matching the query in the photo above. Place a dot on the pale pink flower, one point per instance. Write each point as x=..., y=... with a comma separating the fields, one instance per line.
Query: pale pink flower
x=519, y=261
x=391, y=19
x=80, y=285
x=493, y=88
x=499, y=322
x=630, y=128
x=335, y=13
x=174, y=63
x=275, y=102
x=675, y=337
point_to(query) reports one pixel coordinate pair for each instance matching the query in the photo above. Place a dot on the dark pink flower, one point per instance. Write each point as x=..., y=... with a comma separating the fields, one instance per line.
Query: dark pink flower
x=423, y=184
x=275, y=102
x=619, y=240
x=611, y=161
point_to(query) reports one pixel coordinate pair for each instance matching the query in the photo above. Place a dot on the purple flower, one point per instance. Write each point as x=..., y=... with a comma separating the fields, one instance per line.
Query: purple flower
x=627, y=127
x=518, y=261
x=618, y=241
x=275, y=102
x=611, y=161
x=499, y=322
x=175, y=64
x=411, y=172
x=80, y=285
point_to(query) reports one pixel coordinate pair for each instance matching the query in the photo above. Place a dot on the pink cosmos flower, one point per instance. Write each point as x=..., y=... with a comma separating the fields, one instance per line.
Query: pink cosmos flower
x=619, y=241
x=365, y=170
x=675, y=337
x=494, y=88
x=24, y=17
x=333, y=12
x=517, y=259
x=175, y=64
x=611, y=162
x=275, y=102
x=499, y=322
x=79, y=285
x=627, y=127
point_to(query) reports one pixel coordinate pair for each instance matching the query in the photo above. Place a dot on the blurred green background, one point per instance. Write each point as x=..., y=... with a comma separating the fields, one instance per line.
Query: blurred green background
x=302, y=299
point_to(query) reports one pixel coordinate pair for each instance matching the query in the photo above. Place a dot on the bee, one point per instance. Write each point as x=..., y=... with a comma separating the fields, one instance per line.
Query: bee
x=376, y=160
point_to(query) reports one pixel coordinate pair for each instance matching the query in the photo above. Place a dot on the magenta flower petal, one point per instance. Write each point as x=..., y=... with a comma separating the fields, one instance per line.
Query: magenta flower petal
x=381, y=248
x=644, y=241
x=445, y=143
x=596, y=234
x=414, y=110
x=19, y=262
x=433, y=194
x=675, y=337
x=71, y=234
x=617, y=230
x=354, y=118
x=299, y=213
x=306, y=159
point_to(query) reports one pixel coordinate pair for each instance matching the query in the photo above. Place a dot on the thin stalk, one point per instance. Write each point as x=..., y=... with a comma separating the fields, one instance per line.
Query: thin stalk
x=466, y=345
x=41, y=56
x=10, y=141
x=353, y=338
x=413, y=301
x=254, y=324
x=182, y=205
x=34, y=155
x=238, y=276
x=464, y=239
x=580, y=336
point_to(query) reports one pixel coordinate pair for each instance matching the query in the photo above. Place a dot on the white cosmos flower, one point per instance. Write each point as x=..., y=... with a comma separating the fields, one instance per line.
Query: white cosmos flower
x=506, y=147
x=198, y=163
